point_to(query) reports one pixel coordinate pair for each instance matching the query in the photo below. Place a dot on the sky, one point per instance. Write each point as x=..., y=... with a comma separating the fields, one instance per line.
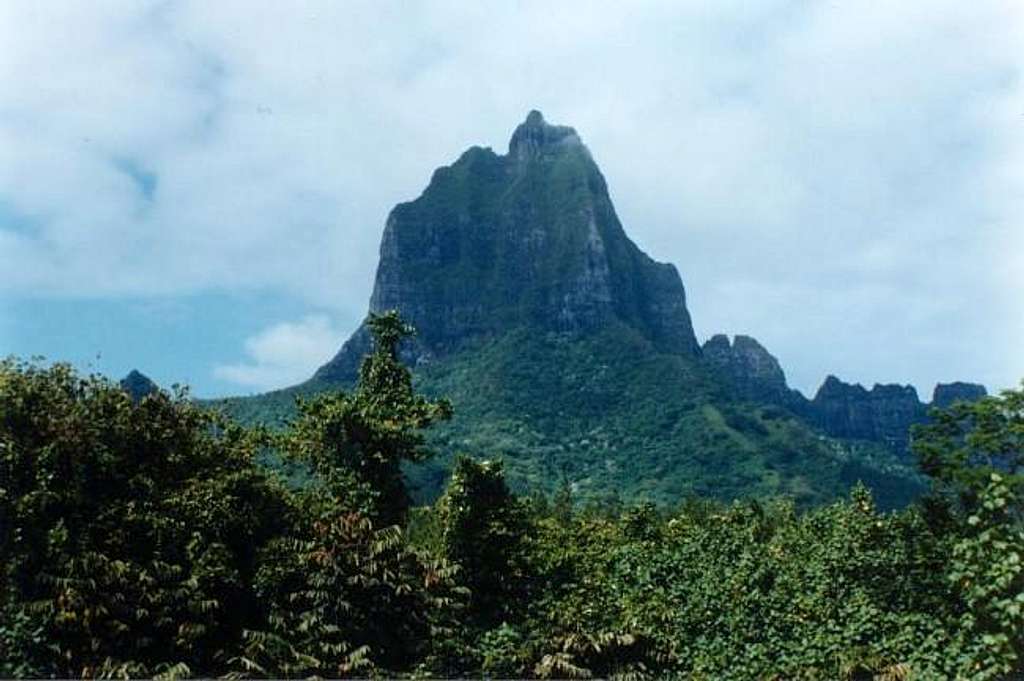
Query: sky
x=198, y=190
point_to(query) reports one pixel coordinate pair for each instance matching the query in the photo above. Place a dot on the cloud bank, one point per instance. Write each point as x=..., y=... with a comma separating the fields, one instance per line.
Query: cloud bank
x=284, y=354
x=842, y=180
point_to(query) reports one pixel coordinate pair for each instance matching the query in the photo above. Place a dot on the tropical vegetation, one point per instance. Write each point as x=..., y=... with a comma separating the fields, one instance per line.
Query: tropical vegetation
x=145, y=538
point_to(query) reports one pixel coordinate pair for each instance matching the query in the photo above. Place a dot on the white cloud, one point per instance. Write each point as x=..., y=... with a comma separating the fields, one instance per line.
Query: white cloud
x=284, y=354
x=855, y=156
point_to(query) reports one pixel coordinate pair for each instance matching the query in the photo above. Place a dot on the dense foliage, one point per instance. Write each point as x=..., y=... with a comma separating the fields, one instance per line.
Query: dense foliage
x=143, y=538
x=613, y=416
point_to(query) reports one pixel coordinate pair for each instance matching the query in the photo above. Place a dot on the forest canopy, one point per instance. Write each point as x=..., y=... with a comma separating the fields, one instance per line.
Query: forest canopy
x=144, y=538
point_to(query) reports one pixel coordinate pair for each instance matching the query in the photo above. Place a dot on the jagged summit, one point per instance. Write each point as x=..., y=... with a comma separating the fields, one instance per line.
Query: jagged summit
x=535, y=137
x=529, y=239
x=884, y=413
x=752, y=369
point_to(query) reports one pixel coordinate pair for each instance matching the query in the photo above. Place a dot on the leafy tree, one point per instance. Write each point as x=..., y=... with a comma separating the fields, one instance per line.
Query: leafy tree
x=485, y=532
x=987, y=569
x=143, y=539
x=975, y=454
x=129, y=531
x=347, y=599
x=577, y=627
x=965, y=444
x=358, y=442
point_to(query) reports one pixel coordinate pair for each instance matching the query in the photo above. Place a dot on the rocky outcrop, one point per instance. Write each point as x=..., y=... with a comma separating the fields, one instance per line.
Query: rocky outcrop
x=947, y=393
x=138, y=385
x=883, y=414
x=525, y=239
x=754, y=373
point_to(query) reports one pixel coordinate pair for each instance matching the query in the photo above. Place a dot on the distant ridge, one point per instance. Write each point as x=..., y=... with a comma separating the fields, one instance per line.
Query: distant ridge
x=138, y=385
x=883, y=414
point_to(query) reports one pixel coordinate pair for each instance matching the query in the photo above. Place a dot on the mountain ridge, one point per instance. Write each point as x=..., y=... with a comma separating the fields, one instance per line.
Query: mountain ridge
x=885, y=413
x=570, y=353
x=530, y=237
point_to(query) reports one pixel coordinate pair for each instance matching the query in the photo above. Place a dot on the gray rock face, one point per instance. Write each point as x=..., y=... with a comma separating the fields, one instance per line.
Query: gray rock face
x=947, y=393
x=752, y=370
x=536, y=138
x=882, y=414
x=526, y=239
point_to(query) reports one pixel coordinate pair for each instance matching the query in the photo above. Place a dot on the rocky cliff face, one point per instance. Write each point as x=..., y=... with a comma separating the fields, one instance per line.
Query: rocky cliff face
x=754, y=372
x=947, y=393
x=883, y=414
x=525, y=239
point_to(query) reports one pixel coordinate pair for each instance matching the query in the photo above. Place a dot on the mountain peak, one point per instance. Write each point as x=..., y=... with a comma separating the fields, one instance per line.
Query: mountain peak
x=138, y=385
x=753, y=370
x=531, y=239
x=536, y=137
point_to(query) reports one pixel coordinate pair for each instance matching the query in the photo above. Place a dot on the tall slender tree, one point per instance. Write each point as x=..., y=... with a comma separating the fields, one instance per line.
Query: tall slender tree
x=364, y=437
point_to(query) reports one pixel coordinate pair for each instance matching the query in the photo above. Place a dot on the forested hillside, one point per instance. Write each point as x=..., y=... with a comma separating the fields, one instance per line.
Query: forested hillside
x=615, y=419
x=142, y=538
x=571, y=354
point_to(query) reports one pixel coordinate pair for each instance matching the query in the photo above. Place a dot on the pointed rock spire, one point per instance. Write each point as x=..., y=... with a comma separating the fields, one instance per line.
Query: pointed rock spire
x=535, y=137
x=530, y=239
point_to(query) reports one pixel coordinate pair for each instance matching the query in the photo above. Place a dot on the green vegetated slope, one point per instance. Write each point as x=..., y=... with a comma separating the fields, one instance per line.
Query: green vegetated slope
x=140, y=539
x=273, y=409
x=614, y=417
x=568, y=352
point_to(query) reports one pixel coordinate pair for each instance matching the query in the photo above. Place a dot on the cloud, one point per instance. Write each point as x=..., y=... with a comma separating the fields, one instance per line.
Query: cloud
x=825, y=175
x=284, y=354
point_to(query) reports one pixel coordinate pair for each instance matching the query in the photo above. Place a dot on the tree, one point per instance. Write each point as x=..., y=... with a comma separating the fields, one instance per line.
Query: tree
x=965, y=444
x=347, y=599
x=141, y=538
x=485, y=529
x=357, y=443
x=975, y=454
x=129, y=530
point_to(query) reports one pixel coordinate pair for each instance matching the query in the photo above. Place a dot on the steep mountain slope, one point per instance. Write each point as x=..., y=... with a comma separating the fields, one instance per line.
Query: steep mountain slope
x=613, y=416
x=528, y=238
x=571, y=354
